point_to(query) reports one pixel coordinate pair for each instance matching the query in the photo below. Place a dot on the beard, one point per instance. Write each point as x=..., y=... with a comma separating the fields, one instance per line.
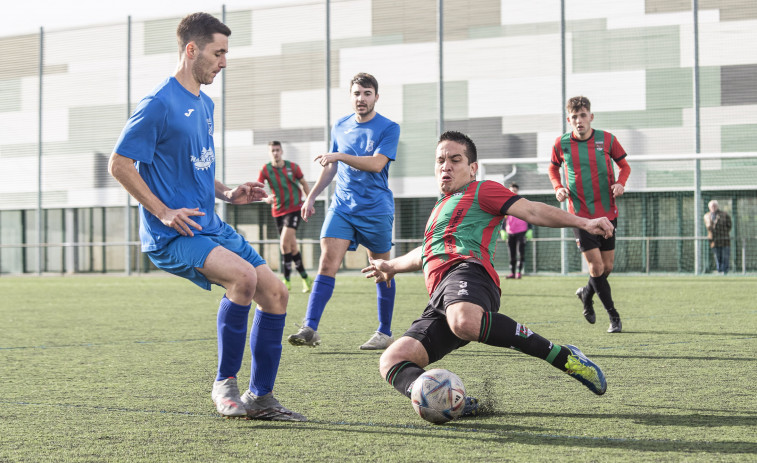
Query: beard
x=200, y=71
x=367, y=109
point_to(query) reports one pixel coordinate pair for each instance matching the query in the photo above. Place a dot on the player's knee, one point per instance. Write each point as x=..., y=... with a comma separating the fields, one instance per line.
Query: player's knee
x=607, y=267
x=464, y=327
x=244, y=285
x=328, y=267
x=596, y=270
x=389, y=358
x=273, y=298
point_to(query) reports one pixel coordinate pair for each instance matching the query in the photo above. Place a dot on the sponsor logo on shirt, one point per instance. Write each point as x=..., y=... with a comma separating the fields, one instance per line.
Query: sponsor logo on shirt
x=189, y=112
x=369, y=146
x=206, y=159
x=210, y=127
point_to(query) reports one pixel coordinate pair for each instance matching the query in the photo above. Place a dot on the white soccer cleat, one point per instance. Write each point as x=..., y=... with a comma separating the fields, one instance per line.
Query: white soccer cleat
x=378, y=341
x=226, y=398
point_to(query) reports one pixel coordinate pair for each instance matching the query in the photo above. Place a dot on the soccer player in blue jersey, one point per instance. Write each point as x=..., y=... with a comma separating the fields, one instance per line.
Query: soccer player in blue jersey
x=362, y=210
x=165, y=158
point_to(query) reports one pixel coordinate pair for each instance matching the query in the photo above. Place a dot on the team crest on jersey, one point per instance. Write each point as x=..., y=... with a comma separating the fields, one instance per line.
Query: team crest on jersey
x=369, y=146
x=210, y=127
x=599, y=146
x=206, y=159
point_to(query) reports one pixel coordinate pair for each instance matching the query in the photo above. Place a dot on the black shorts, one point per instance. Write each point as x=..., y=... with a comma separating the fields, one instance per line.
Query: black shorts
x=586, y=241
x=291, y=220
x=466, y=281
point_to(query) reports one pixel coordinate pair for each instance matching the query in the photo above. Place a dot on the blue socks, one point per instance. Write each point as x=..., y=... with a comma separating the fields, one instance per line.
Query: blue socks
x=385, y=302
x=232, y=334
x=265, y=344
x=323, y=288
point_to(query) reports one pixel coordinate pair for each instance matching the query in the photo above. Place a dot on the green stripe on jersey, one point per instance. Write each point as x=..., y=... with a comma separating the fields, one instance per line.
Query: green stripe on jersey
x=470, y=223
x=601, y=148
x=280, y=186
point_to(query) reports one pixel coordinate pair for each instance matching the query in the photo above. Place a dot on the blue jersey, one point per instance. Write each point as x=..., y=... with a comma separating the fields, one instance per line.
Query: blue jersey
x=170, y=138
x=359, y=192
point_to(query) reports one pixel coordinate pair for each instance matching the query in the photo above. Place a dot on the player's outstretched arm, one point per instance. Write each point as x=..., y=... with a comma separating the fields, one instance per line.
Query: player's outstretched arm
x=243, y=194
x=384, y=270
x=365, y=163
x=123, y=170
x=541, y=214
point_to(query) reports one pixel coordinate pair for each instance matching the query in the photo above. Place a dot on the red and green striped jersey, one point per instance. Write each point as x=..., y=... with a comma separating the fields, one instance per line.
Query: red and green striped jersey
x=589, y=172
x=463, y=226
x=285, y=186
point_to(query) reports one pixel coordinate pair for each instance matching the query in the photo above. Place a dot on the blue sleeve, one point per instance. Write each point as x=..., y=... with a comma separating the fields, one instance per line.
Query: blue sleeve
x=333, y=140
x=389, y=141
x=142, y=131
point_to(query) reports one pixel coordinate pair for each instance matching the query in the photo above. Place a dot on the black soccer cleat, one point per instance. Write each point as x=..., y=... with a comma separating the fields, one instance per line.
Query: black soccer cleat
x=615, y=324
x=589, y=314
x=471, y=407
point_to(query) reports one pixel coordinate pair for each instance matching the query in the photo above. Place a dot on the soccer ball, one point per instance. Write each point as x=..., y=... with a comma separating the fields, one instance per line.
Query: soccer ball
x=438, y=396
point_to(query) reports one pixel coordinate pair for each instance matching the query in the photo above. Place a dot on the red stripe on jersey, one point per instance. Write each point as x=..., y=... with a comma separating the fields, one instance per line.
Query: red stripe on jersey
x=432, y=225
x=279, y=201
x=449, y=239
x=595, y=185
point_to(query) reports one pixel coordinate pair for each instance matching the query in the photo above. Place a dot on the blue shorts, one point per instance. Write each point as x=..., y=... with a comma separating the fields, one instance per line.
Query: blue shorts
x=184, y=254
x=375, y=233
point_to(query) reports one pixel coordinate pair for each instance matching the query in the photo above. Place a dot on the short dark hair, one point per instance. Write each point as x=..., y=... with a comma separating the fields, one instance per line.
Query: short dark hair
x=274, y=143
x=366, y=80
x=576, y=103
x=514, y=185
x=199, y=28
x=459, y=137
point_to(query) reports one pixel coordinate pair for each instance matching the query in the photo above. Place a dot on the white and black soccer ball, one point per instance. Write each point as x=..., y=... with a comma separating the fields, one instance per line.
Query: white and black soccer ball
x=438, y=396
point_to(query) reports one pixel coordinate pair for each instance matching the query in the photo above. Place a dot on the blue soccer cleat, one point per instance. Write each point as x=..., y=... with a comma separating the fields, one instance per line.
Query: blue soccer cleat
x=580, y=367
x=471, y=407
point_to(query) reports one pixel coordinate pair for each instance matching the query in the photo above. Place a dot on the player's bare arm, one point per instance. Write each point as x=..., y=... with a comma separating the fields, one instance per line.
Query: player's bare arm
x=384, y=270
x=123, y=170
x=365, y=163
x=324, y=179
x=549, y=216
x=245, y=193
x=601, y=226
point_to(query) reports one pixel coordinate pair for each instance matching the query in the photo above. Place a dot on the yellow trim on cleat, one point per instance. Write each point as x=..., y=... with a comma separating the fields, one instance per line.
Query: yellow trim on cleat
x=575, y=366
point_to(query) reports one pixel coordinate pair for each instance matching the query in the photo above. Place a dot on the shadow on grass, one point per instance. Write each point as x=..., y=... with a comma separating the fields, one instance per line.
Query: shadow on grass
x=695, y=420
x=675, y=357
x=719, y=334
x=507, y=432
x=515, y=434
